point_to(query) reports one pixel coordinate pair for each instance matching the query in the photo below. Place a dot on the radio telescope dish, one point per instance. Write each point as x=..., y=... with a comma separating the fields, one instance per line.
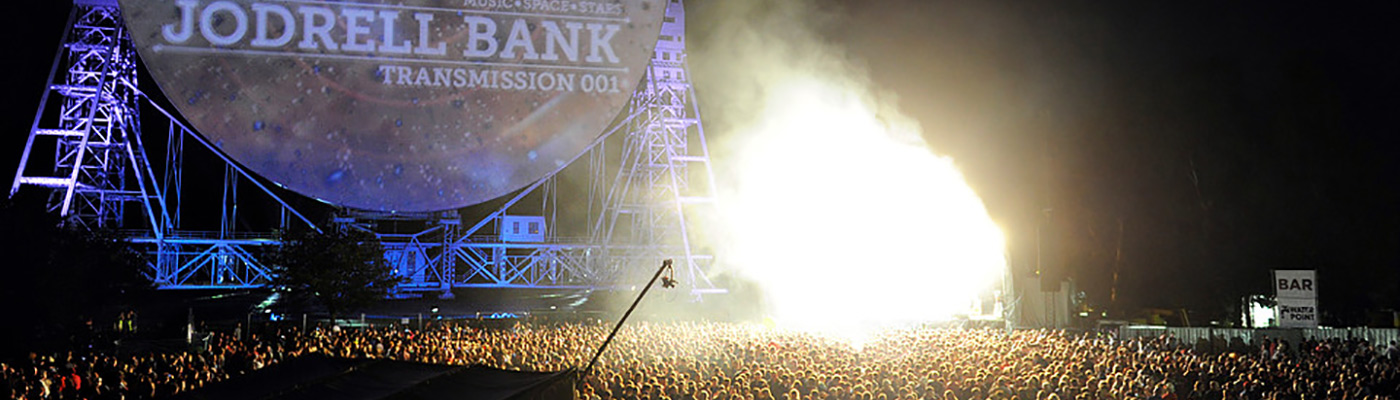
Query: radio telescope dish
x=405, y=105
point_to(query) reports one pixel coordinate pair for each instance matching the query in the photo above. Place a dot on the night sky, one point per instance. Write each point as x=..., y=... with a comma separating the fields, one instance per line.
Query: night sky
x=1227, y=140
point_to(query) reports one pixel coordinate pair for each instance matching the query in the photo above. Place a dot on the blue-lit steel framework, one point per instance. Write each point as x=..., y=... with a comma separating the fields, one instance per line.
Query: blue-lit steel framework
x=638, y=209
x=99, y=167
x=89, y=115
x=224, y=258
x=665, y=180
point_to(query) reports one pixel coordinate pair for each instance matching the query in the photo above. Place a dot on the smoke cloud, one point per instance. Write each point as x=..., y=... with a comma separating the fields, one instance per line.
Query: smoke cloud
x=827, y=190
x=742, y=50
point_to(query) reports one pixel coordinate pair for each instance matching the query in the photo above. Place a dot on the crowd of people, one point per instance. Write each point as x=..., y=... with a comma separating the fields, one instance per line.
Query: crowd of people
x=105, y=375
x=723, y=361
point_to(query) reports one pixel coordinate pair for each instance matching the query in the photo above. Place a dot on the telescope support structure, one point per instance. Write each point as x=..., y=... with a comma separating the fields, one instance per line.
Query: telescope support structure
x=89, y=116
x=642, y=206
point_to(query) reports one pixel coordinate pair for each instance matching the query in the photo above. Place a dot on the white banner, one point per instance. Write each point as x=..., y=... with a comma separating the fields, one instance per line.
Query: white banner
x=1297, y=313
x=1295, y=284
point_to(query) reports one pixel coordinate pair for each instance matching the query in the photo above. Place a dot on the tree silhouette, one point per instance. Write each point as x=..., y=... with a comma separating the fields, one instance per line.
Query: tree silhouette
x=342, y=270
x=57, y=277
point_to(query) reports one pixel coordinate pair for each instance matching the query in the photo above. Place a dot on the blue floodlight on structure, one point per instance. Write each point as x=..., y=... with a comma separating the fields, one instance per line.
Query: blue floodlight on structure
x=101, y=168
x=638, y=209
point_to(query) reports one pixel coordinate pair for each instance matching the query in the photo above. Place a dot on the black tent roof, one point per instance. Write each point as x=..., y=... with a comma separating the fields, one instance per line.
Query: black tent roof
x=321, y=377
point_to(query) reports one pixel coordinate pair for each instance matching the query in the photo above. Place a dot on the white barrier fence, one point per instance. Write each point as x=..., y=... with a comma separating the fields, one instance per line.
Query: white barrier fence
x=1377, y=336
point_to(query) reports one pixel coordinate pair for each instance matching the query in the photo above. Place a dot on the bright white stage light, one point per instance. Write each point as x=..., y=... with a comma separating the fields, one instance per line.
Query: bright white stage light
x=848, y=221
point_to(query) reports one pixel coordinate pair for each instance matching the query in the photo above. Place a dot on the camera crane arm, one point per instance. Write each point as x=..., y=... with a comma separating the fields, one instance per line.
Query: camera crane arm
x=667, y=282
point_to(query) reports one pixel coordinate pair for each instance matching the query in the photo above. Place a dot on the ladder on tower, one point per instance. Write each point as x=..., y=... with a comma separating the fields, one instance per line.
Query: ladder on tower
x=665, y=181
x=99, y=166
x=89, y=118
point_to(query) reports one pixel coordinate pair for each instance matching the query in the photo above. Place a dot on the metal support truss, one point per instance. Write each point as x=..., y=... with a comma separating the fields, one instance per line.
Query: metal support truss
x=413, y=243
x=638, y=209
x=198, y=259
x=99, y=166
x=89, y=115
x=665, y=179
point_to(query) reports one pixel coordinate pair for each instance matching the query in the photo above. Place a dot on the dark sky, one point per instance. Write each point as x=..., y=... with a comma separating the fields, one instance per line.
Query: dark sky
x=1228, y=140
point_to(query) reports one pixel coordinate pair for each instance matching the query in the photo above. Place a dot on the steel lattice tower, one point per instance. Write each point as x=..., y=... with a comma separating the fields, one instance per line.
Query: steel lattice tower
x=641, y=208
x=665, y=180
x=89, y=117
x=640, y=212
x=99, y=165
